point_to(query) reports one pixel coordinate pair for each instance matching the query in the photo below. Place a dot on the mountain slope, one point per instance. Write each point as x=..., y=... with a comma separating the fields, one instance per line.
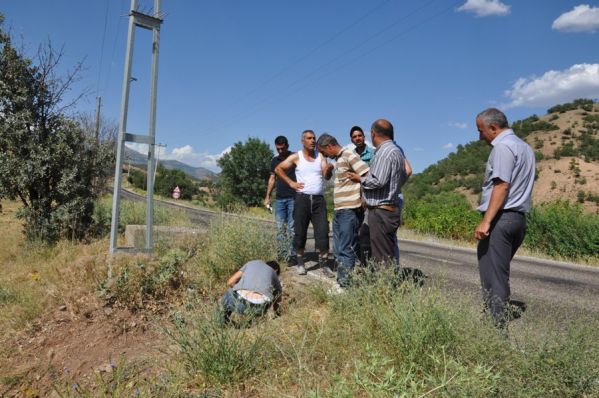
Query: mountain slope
x=199, y=173
x=566, y=144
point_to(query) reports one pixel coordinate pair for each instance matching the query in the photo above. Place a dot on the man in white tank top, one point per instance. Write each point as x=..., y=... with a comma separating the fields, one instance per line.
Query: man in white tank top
x=311, y=169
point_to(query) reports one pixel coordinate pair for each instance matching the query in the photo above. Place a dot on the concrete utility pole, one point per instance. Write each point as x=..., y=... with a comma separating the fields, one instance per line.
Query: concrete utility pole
x=150, y=22
x=98, y=106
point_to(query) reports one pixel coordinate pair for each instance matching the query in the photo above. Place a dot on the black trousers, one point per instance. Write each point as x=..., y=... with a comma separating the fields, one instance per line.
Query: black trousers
x=310, y=208
x=383, y=225
x=494, y=256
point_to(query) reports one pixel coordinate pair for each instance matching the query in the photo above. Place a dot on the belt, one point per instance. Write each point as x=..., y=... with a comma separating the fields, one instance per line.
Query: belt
x=507, y=211
x=308, y=194
x=512, y=211
x=384, y=207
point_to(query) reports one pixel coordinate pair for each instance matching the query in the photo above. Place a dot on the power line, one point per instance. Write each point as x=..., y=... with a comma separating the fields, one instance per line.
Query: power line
x=102, y=47
x=309, y=53
x=281, y=93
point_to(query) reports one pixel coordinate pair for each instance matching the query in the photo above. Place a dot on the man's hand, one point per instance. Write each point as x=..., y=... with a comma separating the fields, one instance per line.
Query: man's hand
x=482, y=231
x=355, y=177
x=296, y=185
x=267, y=201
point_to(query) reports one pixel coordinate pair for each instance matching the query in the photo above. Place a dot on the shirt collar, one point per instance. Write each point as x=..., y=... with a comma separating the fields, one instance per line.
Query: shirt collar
x=501, y=136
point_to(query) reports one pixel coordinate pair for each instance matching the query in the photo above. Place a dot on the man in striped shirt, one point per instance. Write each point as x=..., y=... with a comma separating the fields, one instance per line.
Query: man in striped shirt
x=381, y=188
x=347, y=202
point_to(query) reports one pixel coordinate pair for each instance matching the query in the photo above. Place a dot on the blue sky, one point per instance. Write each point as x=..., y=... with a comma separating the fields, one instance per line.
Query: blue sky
x=230, y=70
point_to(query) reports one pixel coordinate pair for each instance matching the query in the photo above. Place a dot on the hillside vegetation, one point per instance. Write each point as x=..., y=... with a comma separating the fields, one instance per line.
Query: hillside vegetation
x=441, y=200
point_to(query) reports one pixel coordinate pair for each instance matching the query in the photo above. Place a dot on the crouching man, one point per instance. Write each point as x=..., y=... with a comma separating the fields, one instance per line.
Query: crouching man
x=252, y=290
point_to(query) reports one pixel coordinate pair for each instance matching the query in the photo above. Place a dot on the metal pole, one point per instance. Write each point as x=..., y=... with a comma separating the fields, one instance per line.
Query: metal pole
x=118, y=175
x=152, y=132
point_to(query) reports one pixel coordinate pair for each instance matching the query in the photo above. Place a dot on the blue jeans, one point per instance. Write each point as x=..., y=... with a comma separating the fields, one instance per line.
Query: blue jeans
x=231, y=302
x=346, y=223
x=284, y=220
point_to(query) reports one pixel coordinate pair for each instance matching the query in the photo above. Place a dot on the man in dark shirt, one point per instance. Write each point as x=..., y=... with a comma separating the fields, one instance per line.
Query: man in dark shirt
x=284, y=202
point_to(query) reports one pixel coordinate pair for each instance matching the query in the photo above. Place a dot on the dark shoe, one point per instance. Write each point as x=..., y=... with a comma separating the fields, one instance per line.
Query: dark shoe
x=326, y=271
x=515, y=309
x=292, y=261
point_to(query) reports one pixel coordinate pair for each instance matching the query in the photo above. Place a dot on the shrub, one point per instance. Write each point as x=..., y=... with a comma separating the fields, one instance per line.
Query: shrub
x=232, y=242
x=447, y=215
x=221, y=355
x=560, y=228
x=143, y=280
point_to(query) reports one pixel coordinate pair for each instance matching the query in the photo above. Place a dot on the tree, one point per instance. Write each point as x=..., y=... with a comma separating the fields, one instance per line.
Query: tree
x=245, y=170
x=46, y=160
x=167, y=180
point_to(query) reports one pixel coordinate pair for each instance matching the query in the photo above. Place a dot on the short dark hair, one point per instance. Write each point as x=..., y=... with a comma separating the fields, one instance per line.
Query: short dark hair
x=325, y=140
x=274, y=265
x=307, y=131
x=383, y=127
x=281, y=140
x=358, y=128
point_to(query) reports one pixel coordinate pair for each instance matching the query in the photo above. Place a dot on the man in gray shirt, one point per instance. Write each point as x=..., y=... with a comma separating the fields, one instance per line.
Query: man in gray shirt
x=252, y=290
x=505, y=200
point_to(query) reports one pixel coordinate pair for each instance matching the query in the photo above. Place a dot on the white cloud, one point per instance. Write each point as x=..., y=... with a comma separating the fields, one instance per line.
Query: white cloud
x=582, y=18
x=184, y=150
x=485, y=8
x=449, y=145
x=458, y=125
x=579, y=81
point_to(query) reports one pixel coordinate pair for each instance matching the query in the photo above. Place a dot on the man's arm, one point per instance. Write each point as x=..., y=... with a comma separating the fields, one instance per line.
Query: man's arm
x=269, y=189
x=327, y=168
x=276, y=305
x=408, y=167
x=498, y=197
x=234, y=278
x=286, y=165
x=377, y=177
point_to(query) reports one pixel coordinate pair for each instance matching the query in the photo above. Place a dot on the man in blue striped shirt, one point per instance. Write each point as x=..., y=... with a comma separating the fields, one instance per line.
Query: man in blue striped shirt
x=381, y=187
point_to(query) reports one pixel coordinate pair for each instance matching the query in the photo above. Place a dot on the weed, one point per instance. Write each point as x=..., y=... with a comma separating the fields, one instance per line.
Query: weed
x=221, y=355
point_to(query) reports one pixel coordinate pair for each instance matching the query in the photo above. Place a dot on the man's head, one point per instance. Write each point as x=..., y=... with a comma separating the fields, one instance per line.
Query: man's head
x=274, y=265
x=490, y=123
x=308, y=140
x=357, y=137
x=281, y=145
x=381, y=131
x=328, y=146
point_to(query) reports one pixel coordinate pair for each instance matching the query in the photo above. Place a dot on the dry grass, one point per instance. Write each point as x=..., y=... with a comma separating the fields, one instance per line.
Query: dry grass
x=35, y=278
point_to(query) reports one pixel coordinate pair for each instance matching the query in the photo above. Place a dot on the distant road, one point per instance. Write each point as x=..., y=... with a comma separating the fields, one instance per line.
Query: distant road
x=556, y=284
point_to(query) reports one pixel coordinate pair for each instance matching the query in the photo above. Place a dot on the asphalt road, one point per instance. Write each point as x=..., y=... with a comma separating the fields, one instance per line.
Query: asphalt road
x=550, y=284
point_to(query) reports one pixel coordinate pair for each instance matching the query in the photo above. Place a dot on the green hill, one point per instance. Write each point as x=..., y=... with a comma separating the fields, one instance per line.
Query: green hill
x=564, y=221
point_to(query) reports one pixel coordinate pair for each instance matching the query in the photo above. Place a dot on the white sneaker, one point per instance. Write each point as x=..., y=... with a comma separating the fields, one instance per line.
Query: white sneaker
x=301, y=270
x=335, y=289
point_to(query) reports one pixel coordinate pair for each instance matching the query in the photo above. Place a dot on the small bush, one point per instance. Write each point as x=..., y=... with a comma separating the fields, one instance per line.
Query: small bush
x=447, y=215
x=560, y=228
x=231, y=243
x=221, y=355
x=143, y=281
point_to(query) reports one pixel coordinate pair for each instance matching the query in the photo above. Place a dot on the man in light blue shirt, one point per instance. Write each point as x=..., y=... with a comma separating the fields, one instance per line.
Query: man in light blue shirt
x=505, y=200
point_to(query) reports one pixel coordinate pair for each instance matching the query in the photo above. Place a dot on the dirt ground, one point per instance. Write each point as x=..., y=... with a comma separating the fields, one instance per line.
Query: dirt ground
x=64, y=348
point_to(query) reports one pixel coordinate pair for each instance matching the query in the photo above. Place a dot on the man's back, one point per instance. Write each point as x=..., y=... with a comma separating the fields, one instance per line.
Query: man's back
x=257, y=276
